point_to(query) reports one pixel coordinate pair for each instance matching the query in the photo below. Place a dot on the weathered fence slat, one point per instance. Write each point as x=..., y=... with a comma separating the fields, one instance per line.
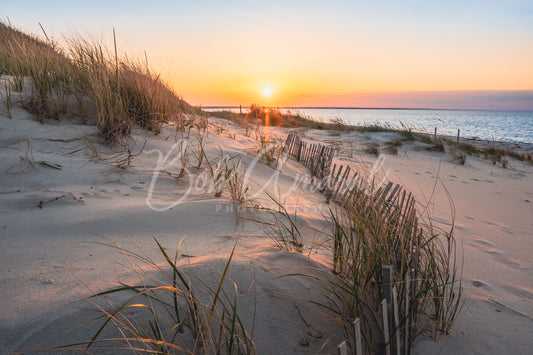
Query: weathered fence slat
x=396, y=323
x=387, y=284
x=312, y=155
x=407, y=316
x=385, y=316
x=357, y=337
x=341, y=349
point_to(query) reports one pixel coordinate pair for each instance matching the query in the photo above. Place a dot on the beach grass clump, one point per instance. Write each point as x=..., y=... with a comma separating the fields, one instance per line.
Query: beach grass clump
x=391, y=147
x=124, y=92
x=374, y=127
x=370, y=232
x=44, y=62
x=271, y=116
x=169, y=311
x=226, y=175
x=424, y=138
x=407, y=135
x=268, y=116
x=282, y=227
x=468, y=148
x=496, y=155
x=459, y=158
x=437, y=145
x=493, y=153
x=269, y=149
x=121, y=90
x=373, y=148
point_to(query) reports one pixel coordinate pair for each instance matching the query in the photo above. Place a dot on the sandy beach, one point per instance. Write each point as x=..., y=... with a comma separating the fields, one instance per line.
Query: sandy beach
x=65, y=205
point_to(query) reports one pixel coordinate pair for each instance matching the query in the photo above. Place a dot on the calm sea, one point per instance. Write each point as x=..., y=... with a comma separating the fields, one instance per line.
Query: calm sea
x=502, y=126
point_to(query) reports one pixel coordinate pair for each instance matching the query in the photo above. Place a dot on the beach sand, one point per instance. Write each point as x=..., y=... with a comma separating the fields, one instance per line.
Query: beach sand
x=64, y=204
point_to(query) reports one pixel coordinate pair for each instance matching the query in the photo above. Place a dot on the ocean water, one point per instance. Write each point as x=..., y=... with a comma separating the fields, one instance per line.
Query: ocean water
x=501, y=126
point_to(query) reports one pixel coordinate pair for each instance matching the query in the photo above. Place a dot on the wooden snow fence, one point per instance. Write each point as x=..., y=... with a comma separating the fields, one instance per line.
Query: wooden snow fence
x=341, y=184
x=396, y=309
x=316, y=157
x=396, y=321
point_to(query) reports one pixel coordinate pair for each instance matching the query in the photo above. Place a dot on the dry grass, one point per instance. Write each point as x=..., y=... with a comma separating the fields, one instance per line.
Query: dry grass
x=122, y=91
x=369, y=233
x=170, y=311
x=373, y=148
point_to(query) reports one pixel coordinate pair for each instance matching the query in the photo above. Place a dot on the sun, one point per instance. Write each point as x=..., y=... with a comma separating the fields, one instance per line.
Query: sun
x=267, y=91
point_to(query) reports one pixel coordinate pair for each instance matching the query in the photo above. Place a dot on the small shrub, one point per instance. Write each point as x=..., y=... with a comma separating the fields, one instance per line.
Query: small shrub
x=468, y=148
x=373, y=148
x=504, y=163
x=398, y=142
x=438, y=146
x=407, y=135
x=391, y=149
x=392, y=146
x=459, y=158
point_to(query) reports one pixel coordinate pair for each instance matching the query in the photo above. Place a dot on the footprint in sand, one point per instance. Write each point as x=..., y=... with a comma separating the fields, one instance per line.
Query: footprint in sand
x=498, y=256
x=507, y=230
x=479, y=283
x=479, y=180
x=482, y=242
x=490, y=223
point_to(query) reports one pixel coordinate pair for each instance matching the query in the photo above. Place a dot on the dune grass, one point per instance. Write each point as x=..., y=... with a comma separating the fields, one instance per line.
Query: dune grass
x=170, y=311
x=373, y=149
x=122, y=91
x=367, y=233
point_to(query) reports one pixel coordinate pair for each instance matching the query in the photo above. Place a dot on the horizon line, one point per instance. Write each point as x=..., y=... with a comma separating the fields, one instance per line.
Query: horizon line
x=357, y=108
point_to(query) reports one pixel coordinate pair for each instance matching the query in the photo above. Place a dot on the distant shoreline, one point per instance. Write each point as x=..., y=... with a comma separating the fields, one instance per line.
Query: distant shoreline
x=363, y=108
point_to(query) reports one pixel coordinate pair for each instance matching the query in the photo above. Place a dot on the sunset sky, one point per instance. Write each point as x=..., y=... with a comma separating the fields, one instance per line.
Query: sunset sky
x=441, y=54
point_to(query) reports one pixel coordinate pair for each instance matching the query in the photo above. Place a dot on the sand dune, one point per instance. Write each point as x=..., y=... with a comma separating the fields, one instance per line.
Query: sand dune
x=64, y=203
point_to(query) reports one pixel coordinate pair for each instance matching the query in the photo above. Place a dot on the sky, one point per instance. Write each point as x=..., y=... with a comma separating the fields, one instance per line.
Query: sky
x=431, y=54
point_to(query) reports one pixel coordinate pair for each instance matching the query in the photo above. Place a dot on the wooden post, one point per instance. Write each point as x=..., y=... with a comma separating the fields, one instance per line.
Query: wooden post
x=387, y=284
x=396, y=325
x=240, y=109
x=341, y=349
x=407, y=315
x=435, y=135
x=357, y=337
x=412, y=291
x=458, y=131
x=385, y=326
